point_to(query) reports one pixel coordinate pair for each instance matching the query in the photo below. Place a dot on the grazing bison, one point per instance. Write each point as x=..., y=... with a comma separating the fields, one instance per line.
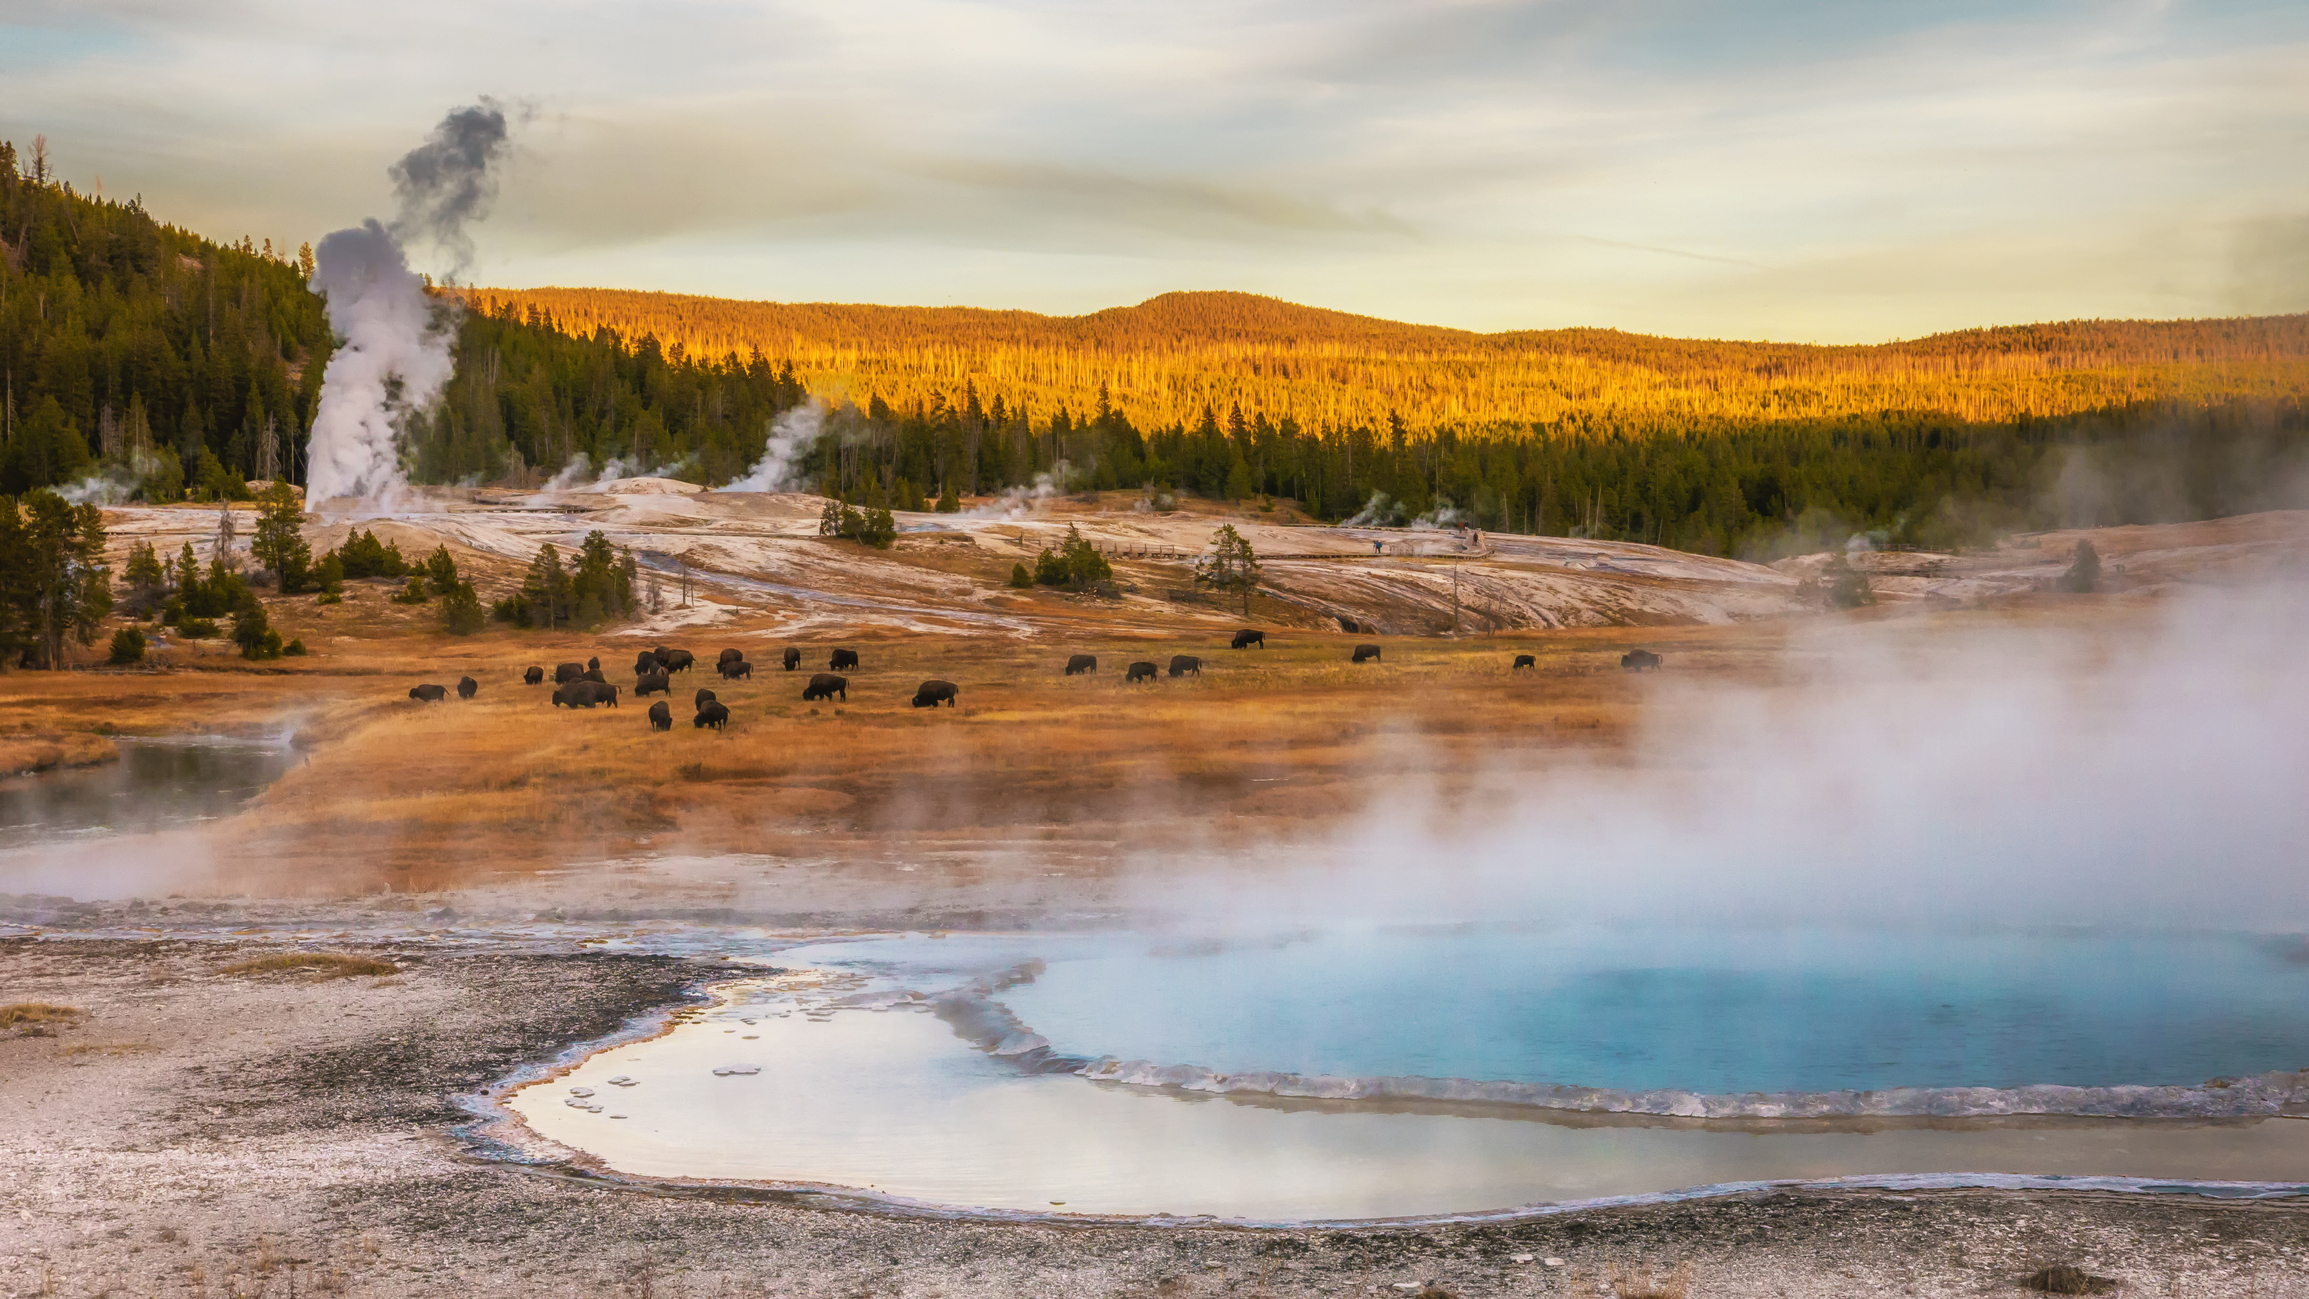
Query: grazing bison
x=1349, y=625
x=713, y=715
x=533, y=676
x=428, y=694
x=1140, y=671
x=705, y=697
x=467, y=687
x=825, y=685
x=678, y=660
x=930, y=694
x=652, y=683
x=1639, y=661
x=732, y=669
x=593, y=665
x=644, y=663
x=731, y=656
x=565, y=673
x=594, y=674
x=585, y=694
x=1523, y=661
x=842, y=659
x=1246, y=638
x=1366, y=652
x=793, y=658
x=660, y=716
x=1181, y=664
x=1081, y=663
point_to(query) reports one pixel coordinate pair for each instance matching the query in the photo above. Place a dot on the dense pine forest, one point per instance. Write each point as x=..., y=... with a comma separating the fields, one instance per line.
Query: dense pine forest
x=143, y=360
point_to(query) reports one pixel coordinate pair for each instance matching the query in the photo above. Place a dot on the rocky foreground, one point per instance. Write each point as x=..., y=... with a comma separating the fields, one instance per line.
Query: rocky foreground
x=192, y=1130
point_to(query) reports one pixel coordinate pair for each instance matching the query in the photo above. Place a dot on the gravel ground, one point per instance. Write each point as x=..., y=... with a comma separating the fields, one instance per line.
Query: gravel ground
x=203, y=1133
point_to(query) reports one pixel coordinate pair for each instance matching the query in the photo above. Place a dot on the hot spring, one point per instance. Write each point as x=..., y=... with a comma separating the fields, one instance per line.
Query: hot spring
x=1356, y=1072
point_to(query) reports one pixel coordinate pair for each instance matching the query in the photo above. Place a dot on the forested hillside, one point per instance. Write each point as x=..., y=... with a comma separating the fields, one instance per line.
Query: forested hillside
x=140, y=359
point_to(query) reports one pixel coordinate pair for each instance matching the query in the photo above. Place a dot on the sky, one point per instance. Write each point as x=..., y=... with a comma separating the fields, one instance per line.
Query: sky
x=1833, y=172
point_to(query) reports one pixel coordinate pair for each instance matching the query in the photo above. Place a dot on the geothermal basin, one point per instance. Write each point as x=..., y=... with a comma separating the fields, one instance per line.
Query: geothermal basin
x=1373, y=1072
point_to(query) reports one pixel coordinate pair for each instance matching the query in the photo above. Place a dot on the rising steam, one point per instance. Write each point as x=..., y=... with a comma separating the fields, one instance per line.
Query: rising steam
x=791, y=434
x=395, y=355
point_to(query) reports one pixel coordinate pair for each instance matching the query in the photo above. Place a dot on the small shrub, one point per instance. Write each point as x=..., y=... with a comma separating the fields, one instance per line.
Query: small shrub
x=127, y=646
x=36, y=1018
x=2062, y=1279
x=329, y=965
x=414, y=593
x=295, y=648
x=196, y=628
x=461, y=612
x=1020, y=578
x=331, y=597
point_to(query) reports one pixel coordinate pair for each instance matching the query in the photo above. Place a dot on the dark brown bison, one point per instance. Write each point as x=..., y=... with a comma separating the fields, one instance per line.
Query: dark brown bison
x=1523, y=661
x=660, y=716
x=1140, y=671
x=1365, y=653
x=1181, y=664
x=565, y=673
x=732, y=669
x=678, y=660
x=1349, y=625
x=533, y=676
x=793, y=658
x=705, y=697
x=1246, y=638
x=930, y=694
x=731, y=656
x=843, y=658
x=1081, y=663
x=467, y=687
x=644, y=663
x=714, y=714
x=1639, y=661
x=585, y=694
x=825, y=685
x=594, y=674
x=428, y=694
x=652, y=683
x=593, y=665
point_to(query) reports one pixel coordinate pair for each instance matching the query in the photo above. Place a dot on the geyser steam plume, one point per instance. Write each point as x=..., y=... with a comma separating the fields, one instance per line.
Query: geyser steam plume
x=395, y=356
x=791, y=434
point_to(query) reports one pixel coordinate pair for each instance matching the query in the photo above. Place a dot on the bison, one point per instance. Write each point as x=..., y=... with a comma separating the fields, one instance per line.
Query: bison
x=1246, y=638
x=731, y=655
x=705, y=697
x=644, y=663
x=593, y=665
x=1639, y=661
x=1523, y=661
x=930, y=694
x=793, y=658
x=428, y=694
x=565, y=673
x=585, y=694
x=678, y=660
x=843, y=658
x=1140, y=671
x=594, y=675
x=1081, y=663
x=660, y=716
x=714, y=714
x=825, y=685
x=533, y=676
x=467, y=687
x=1181, y=664
x=732, y=669
x=1366, y=652
x=652, y=683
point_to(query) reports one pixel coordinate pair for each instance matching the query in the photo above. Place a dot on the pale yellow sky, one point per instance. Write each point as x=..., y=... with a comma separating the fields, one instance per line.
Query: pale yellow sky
x=1838, y=172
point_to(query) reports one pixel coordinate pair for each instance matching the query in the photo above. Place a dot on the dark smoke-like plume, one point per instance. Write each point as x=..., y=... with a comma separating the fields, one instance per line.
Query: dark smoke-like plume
x=446, y=182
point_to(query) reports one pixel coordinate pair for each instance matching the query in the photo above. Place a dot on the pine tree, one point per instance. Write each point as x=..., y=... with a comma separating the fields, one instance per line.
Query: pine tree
x=2084, y=571
x=279, y=543
x=545, y=589
x=1231, y=564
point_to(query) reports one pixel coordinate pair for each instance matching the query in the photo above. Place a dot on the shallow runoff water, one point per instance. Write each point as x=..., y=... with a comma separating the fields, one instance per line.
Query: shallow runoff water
x=157, y=783
x=1375, y=1072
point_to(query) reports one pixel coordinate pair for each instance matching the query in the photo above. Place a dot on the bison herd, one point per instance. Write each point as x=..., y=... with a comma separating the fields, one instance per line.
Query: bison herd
x=582, y=685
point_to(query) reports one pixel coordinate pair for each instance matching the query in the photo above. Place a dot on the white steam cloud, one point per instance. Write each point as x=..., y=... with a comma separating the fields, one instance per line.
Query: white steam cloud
x=1021, y=502
x=395, y=356
x=791, y=435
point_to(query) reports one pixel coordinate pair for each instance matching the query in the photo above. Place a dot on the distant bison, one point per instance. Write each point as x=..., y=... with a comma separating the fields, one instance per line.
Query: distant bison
x=1639, y=661
x=1365, y=653
x=732, y=669
x=652, y=683
x=793, y=658
x=843, y=658
x=1525, y=661
x=730, y=656
x=594, y=674
x=644, y=663
x=585, y=694
x=660, y=716
x=428, y=694
x=1349, y=625
x=1081, y=663
x=565, y=673
x=533, y=676
x=713, y=715
x=930, y=694
x=825, y=685
x=593, y=665
x=467, y=687
x=1246, y=638
x=705, y=697
x=1181, y=664
x=676, y=660
x=1140, y=671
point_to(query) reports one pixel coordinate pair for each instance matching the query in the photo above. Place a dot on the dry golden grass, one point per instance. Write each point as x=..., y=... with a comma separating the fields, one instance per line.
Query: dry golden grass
x=36, y=1018
x=329, y=965
x=1635, y=1281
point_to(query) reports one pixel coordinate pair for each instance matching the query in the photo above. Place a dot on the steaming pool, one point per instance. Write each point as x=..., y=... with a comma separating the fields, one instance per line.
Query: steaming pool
x=1393, y=1072
x=158, y=782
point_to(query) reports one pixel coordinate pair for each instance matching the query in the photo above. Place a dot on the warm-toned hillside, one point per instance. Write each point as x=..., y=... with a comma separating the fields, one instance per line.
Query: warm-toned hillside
x=1165, y=359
